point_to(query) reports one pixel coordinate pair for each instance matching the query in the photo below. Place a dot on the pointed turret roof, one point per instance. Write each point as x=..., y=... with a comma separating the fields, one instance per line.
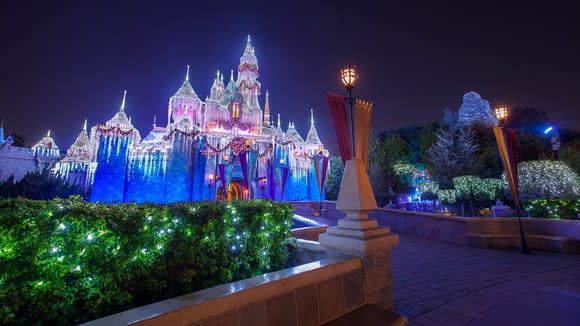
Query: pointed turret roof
x=249, y=51
x=46, y=146
x=279, y=132
x=120, y=118
x=293, y=134
x=312, y=137
x=229, y=91
x=80, y=150
x=186, y=90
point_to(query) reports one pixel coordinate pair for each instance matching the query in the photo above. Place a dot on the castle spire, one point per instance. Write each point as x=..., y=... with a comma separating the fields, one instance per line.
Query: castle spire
x=312, y=137
x=187, y=74
x=231, y=75
x=278, y=120
x=267, y=110
x=154, y=120
x=123, y=103
x=85, y=126
x=48, y=133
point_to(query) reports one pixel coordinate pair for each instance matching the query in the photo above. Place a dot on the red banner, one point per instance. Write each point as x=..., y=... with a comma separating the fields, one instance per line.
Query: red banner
x=337, y=105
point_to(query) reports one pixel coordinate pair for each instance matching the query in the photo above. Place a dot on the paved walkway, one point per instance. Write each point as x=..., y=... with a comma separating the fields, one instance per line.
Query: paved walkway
x=438, y=283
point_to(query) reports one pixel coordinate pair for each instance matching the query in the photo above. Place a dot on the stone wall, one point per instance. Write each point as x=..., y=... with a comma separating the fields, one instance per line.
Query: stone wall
x=541, y=234
x=18, y=161
x=309, y=294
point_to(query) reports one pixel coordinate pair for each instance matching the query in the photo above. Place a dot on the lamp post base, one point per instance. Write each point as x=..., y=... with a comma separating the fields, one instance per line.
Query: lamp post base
x=358, y=235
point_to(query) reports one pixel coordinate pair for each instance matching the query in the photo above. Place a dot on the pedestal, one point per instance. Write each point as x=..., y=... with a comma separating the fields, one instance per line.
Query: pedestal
x=358, y=235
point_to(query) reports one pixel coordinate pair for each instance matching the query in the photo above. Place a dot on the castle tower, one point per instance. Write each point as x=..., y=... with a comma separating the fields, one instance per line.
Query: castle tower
x=78, y=167
x=46, y=148
x=184, y=106
x=113, y=140
x=248, y=87
x=312, y=137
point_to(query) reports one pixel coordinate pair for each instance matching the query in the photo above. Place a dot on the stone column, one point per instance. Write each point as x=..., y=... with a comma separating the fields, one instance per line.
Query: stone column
x=358, y=235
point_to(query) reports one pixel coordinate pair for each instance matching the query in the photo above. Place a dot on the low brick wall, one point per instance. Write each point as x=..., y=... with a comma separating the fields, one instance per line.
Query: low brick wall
x=542, y=234
x=309, y=294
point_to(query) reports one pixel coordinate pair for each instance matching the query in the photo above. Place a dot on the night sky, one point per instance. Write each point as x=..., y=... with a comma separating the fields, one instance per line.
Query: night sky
x=63, y=63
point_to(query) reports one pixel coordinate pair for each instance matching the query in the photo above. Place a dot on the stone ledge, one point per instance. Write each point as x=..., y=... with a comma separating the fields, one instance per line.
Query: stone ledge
x=563, y=244
x=223, y=299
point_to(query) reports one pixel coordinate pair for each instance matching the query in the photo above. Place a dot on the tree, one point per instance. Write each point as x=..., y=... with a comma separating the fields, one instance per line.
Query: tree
x=384, y=153
x=465, y=190
x=39, y=185
x=334, y=177
x=452, y=155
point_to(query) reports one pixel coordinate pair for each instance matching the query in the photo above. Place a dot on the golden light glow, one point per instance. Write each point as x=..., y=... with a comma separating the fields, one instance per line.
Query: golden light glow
x=282, y=161
x=501, y=113
x=321, y=148
x=211, y=176
x=236, y=110
x=348, y=76
x=226, y=157
x=248, y=142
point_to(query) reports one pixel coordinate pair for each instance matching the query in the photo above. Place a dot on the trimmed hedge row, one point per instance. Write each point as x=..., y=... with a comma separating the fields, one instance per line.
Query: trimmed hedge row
x=554, y=208
x=69, y=261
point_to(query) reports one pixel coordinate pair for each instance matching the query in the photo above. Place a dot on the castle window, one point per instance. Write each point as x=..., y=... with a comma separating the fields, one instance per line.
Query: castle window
x=236, y=110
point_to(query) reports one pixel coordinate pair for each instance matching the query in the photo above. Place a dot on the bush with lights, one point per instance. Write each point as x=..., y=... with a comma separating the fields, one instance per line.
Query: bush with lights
x=554, y=208
x=547, y=180
x=69, y=261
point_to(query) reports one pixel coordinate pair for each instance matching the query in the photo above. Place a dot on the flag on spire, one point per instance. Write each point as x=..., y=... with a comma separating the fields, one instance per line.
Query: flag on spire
x=85, y=126
x=187, y=74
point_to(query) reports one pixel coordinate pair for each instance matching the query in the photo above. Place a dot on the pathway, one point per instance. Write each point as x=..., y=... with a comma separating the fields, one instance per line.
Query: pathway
x=438, y=283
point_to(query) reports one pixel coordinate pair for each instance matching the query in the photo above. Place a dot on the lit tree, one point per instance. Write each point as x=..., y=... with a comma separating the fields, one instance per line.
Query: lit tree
x=447, y=196
x=465, y=189
x=428, y=190
x=452, y=155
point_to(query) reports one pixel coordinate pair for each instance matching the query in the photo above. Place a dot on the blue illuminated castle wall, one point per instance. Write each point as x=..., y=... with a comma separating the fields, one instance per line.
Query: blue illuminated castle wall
x=224, y=148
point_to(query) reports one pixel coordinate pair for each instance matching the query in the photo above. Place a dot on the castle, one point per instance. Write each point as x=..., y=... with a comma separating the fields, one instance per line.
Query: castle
x=223, y=148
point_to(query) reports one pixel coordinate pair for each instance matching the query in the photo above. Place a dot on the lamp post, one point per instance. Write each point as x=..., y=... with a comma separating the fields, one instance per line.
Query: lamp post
x=501, y=113
x=349, y=77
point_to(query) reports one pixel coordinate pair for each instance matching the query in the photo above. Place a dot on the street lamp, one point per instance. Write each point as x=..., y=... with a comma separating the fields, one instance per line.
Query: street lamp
x=349, y=77
x=501, y=113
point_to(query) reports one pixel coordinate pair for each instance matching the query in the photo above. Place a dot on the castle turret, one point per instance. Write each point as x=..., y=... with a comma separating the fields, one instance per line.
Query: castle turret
x=46, y=147
x=312, y=137
x=78, y=166
x=185, y=105
x=112, y=140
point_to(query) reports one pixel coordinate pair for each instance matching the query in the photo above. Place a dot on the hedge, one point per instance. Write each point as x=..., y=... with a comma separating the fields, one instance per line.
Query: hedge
x=553, y=208
x=69, y=261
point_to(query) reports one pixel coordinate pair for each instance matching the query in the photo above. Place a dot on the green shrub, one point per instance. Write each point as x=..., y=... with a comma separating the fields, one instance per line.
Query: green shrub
x=69, y=261
x=553, y=208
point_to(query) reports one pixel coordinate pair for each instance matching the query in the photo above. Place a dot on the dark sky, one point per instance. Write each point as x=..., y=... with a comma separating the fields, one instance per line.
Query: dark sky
x=63, y=63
